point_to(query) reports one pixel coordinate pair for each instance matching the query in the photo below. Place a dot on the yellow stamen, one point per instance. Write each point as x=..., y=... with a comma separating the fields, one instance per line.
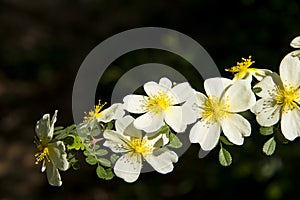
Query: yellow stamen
x=288, y=97
x=138, y=145
x=157, y=103
x=214, y=110
x=42, y=155
x=241, y=68
x=93, y=114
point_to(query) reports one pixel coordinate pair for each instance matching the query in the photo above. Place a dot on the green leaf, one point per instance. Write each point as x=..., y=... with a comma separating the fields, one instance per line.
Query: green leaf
x=174, y=141
x=257, y=90
x=266, y=130
x=109, y=174
x=114, y=158
x=87, y=153
x=104, y=162
x=91, y=160
x=101, y=152
x=270, y=146
x=58, y=128
x=104, y=174
x=224, y=140
x=101, y=172
x=225, y=158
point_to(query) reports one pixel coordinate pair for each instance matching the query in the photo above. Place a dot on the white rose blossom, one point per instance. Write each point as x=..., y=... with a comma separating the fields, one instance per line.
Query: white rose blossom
x=162, y=105
x=128, y=140
x=218, y=112
x=280, y=98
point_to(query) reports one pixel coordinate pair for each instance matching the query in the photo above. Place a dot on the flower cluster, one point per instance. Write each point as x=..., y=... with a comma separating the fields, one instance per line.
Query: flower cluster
x=143, y=130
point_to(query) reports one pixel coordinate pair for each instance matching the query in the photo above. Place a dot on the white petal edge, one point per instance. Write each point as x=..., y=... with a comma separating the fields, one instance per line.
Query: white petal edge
x=115, y=111
x=162, y=163
x=135, y=103
x=235, y=128
x=289, y=70
x=216, y=86
x=290, y=125
x=128, y=167
x=239, y=96
x=149, y=122
x=207, y=135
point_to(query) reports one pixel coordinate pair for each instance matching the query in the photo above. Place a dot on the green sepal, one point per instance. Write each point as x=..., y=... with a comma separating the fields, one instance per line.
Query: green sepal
x=174, y=141
x=266, y=130
x=224, y=140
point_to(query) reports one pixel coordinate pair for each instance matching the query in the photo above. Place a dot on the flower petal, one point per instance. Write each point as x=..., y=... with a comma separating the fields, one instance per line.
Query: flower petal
x=163, y=162
x=239, y=96
x=267, y=113
x=259, y=74
x=174, y=118
x=181, y=92
x=235, y=128
x=128, y=167
x=135, y=103
x=207, y=135
x=151, y=88
x=44, y=128
x=115, y=111
x=290, y=70
x=149, y=122
x=290, y=125
x=123, y=123
x=295, y=43
x=165, y=82
x=58, y=156
x=216, y=86
x=268, y=85
x=115, y=141
x=53, y=175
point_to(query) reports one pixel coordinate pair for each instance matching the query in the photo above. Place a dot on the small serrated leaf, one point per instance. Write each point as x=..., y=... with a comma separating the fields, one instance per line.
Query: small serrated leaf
x=104, y=162
x=101, y=172
x=101, y=152
x=164, y=129
x=91, y=160
x=174, y=141
x=58, y=128
x=224, y=140
x=269, y=147
x=114, y=158
x=266, y=130
x=109, y=174
x=225, y=158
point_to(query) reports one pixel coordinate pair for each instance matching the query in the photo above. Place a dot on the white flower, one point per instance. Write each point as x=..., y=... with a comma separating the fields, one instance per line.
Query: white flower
x=243, y=71
x=218, y=112
x=295, y=42
x=115, y=111
x=280, y=98
x=128, y=140
x=52, y=153
x=161, y=105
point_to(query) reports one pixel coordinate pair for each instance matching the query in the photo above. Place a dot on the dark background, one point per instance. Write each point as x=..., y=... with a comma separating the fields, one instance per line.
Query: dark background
x=42, y=45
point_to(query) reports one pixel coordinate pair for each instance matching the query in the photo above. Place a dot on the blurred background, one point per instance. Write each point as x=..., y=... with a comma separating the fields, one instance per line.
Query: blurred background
x=42, y=45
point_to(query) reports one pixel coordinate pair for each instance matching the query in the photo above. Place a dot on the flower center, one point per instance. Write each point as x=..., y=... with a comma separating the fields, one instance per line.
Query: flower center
x=159, y=102
x=138, y=145
x=214, y=110
x=94, y=114
x=42, y=155
x=288, y=98
x=242, y=67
